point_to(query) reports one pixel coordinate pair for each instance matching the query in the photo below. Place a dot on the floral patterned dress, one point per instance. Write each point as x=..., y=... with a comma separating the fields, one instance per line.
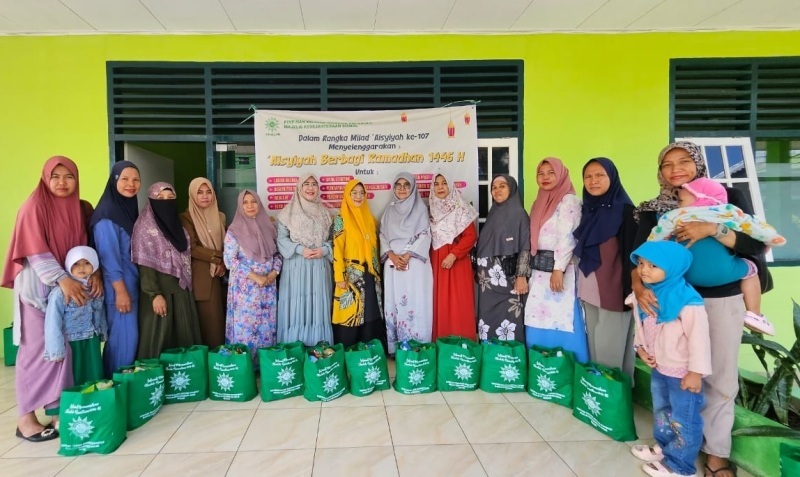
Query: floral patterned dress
x=252, y=310
x=500, y=310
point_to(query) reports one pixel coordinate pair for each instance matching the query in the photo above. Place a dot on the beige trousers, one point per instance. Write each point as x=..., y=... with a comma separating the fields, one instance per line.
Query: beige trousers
x=725, y=322
x=610, y=335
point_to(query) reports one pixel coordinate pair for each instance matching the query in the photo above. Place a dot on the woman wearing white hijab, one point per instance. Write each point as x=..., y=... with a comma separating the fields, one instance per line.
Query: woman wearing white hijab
x=304, y=241
x=408, y=279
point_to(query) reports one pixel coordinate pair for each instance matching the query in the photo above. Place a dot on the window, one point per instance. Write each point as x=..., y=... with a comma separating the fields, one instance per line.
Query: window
x=495, y=156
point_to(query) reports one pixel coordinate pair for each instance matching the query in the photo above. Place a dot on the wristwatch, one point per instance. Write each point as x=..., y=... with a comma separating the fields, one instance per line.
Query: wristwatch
x=722, y=231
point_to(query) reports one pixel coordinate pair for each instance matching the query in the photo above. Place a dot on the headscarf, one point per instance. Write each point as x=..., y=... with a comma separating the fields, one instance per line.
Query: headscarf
x=361, y=240
x=81, y=252
x=506, y=230
x=256, y=236
x=46, y=223
x=667, y=198
x=449, y=216
x=674, y=292
x=404, y=218
x=114, y=206
x=155, y=234
x=546, y=202
x=601, y=217
x=208, y=222
x=308, y=221
x=707, y=192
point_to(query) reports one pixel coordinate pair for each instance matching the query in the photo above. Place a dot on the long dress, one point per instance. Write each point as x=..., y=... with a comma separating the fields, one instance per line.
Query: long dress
x=113, y=245
x=207, y=290
x=252, y=309
x=178, y=328
x=305, y=294
x=500, y=310
x=454, y=290
x=555, y=319
x=408, y=294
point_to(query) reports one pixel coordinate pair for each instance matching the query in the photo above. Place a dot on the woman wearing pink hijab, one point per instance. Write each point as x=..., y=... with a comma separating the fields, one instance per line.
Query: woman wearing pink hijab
x=553, y=316
x=50, y=222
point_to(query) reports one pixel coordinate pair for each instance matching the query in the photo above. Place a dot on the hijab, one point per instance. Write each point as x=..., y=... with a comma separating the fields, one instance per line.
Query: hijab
x=209, y=223
x=667, y=198
x=449, y=216
x=81, y=252
x=546, y=202
x=707, y=192
x=46, y=223
x=358, y=224
x=308, y=221
x=601, y=217
x=506, y=230
x=405, y=218
x=674, y=292
x=155, y=242
x=114, y=206
x=256, y=236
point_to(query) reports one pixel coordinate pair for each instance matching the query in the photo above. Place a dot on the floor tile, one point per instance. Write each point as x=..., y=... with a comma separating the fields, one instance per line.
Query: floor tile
x=8, y=399
x=8, y=438
x=493, y=423
x=474, y=397
x=209, y=405
x=353, y=427
x=643, y=419
x=519, y=397
x=438, y=460
x=599, y=458
x=282, y=429
x=207, y=464
x=211, y=431
x=374, y=399
x=283, y=463
x=297, y=402
x=355, y=462
x=153, y=436
x=39, y=467
x=394, y=398
x=424, y=424
x=179, y=407
x=556, y=423
x=33, y=449
x=112, y=465
x=521, y=459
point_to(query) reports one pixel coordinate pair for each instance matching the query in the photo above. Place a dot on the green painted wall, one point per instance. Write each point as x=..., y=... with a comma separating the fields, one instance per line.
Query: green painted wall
x=585, y=95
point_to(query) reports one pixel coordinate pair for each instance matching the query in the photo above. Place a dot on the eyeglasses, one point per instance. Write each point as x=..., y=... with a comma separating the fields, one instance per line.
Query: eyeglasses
x=405, y=186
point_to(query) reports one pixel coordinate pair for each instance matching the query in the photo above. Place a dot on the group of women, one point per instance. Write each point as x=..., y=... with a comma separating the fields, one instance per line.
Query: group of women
x=556, y=277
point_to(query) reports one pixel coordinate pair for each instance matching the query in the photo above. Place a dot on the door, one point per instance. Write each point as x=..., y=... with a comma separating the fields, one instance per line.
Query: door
x=236, y=171
x=152, y=168
x=495, y=156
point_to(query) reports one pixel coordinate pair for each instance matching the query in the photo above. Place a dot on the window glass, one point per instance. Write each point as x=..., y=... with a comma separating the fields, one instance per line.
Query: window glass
x=716, y=169
x=778, y=170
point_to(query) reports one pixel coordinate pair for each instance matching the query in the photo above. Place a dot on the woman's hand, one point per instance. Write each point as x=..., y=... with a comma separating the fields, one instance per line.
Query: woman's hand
x=342, y=284
x=399, y=261
x=96, y=284
x=123, y=298
x=557, y=281
x=220, y=271
x=694, y=231
x=312, y=253
x=648, y=359
x=160, y=306
x=520, y=286
x=73, y=290
x=270, y=278
x=645, y=298
x=448, y=261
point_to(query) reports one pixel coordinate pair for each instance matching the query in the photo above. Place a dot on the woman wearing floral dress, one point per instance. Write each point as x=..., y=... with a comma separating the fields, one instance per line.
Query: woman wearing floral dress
x=251, y=255
x=503, y=263
x=408, y=278
x=553, y=316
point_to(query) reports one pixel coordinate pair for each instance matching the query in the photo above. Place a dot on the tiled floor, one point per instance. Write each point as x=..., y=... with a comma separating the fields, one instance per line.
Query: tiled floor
x=385, y=434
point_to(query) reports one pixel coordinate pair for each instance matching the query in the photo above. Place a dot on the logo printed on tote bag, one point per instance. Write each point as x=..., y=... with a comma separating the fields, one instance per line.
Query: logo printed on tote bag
x=592, y=403
x=416, y=376
x=225, y=382
x=81, y=427
x=545, y=383
x=157, y=395
x=331, y=383
x=372, y=375
x=180, y=381
x=286, y=376
x=463, y=371
x=509, y=373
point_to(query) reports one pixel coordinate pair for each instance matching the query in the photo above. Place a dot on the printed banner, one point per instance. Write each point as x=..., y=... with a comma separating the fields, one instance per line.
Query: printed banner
x=372, y=146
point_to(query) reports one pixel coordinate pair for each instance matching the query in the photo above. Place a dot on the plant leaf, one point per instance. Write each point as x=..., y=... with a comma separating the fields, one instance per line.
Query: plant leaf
x=774, y=349
x=767, y=431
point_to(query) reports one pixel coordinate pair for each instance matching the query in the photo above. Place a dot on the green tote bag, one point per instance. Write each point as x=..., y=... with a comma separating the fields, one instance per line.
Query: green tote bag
x=92, y=419
x=503, y=366
x=281, y=369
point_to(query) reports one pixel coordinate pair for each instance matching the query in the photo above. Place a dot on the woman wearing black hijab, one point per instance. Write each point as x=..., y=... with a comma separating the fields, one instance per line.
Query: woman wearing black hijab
x=604, y=242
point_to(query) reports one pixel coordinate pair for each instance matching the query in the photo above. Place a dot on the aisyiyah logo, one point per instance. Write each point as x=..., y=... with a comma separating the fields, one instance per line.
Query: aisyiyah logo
x=272, y=124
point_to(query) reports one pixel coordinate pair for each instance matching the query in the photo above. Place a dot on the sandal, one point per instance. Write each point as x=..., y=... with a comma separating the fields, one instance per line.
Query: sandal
x=758, y=323
x=731, y=467
x=657, y=469
x=647, y=453
x=47, y=434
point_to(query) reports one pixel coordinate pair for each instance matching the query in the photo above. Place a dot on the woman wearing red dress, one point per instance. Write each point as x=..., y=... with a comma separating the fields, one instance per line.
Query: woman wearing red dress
x=453, y=235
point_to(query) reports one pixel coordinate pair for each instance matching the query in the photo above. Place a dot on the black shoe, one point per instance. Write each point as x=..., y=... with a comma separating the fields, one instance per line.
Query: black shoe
x=47, y=434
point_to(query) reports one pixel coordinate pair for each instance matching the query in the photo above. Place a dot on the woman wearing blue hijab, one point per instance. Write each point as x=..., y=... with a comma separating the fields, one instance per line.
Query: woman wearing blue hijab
x=604, y=242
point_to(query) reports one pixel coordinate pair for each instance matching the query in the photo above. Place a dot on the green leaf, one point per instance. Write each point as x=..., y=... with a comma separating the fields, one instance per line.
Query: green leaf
x=774, y=349
x=767, y=431
x=796, y=320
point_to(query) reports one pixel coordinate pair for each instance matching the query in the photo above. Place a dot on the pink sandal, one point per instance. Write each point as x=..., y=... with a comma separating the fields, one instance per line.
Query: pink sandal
x=647, y=453
x=657, y=469
x=758, y=323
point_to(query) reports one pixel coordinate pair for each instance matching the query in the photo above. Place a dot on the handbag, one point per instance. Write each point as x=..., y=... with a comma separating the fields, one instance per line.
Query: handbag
x=544, y=261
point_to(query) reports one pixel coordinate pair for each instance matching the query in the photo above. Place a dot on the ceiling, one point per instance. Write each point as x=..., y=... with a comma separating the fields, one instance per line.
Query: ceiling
x=390, y=16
